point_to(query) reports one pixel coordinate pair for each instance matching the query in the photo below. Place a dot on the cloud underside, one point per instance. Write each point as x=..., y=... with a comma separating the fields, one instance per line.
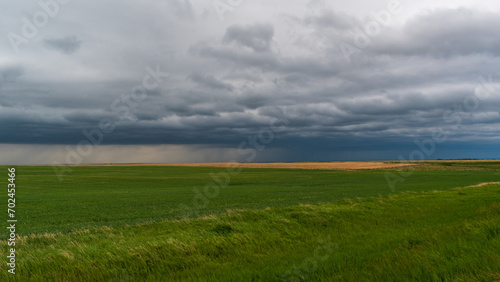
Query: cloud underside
x=434, y=71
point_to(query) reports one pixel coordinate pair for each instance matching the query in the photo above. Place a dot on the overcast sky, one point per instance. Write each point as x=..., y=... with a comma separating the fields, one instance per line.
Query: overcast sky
x=280, y=80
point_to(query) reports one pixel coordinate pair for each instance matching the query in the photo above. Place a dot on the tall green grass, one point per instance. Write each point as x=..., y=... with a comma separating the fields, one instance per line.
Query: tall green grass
x=140, y=223
x=451, y=235
x=116, y=196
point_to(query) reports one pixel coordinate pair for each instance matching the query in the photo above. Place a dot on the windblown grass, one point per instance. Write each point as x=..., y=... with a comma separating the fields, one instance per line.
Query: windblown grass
x=125, y=224
x=451, y=235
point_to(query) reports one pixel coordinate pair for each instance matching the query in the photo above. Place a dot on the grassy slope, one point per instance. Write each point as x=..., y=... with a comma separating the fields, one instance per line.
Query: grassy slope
x=419, y=236
x=115, y=196
x=429, y=236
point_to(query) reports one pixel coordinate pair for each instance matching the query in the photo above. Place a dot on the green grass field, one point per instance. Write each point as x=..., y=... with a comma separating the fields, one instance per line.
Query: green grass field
x=159, y=224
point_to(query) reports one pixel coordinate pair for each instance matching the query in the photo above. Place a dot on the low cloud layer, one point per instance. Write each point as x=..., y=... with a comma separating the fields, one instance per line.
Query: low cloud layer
x=403, y=76
x=67, y=45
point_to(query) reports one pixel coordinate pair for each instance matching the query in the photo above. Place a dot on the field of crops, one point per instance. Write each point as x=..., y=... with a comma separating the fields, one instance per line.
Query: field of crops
x=162, y=223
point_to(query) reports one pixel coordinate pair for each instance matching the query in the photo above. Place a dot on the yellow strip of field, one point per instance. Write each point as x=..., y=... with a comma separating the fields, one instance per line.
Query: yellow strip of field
x=298, y=165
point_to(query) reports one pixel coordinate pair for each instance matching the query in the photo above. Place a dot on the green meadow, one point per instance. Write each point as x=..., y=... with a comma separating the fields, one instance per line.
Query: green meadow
x=153, y=223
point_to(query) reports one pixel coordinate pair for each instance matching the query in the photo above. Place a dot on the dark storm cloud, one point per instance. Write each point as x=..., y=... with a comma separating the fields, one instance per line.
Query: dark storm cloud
x=67, y=45
x=258, y=37
x=330, y=19
x=265, y=61
x=262, y=61
x=253, y=100
x=210, y=81
x=245, y=76
x=85, y=117
x=227, y=80
x=10, y=73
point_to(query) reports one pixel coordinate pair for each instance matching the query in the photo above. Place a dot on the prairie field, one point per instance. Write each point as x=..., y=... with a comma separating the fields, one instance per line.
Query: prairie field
x=391, y=221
